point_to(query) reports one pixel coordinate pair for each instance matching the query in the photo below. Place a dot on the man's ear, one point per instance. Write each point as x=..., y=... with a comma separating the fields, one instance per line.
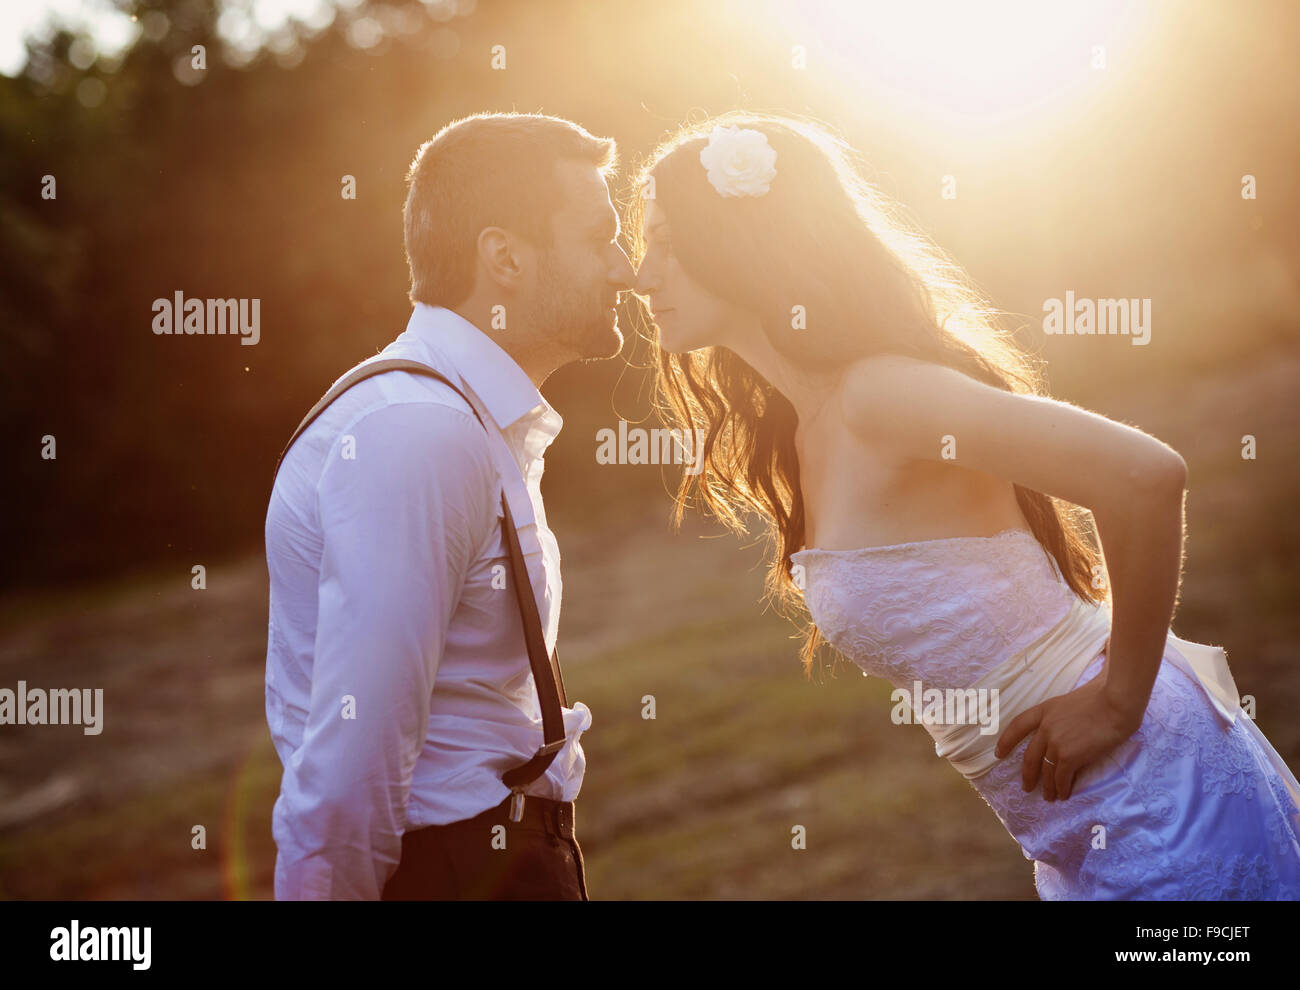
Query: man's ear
x=497, y=255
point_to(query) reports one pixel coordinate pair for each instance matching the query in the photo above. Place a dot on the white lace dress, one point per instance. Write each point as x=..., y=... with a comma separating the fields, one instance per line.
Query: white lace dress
x=1190, y=807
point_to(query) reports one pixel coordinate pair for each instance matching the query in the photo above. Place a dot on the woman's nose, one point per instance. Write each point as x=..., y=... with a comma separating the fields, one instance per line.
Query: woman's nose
x=645, y=278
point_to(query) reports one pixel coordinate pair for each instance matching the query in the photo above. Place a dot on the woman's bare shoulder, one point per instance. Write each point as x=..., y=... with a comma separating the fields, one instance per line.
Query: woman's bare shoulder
x=876, y=387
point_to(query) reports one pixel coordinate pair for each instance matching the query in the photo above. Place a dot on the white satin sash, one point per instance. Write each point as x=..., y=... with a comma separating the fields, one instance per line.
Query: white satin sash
x=1052, y=664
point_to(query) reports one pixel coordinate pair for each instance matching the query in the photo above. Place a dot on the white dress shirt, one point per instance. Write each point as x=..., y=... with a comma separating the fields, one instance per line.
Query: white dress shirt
x=398, y=688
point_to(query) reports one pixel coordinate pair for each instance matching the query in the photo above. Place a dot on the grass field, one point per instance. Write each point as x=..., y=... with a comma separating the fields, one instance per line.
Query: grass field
x=699, y=802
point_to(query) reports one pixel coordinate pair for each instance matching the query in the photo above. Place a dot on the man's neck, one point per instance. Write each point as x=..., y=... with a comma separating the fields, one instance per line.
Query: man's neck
x=538, y=363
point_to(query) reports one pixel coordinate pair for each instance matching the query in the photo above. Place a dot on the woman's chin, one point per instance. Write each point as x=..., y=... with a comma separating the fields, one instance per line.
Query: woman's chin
x=675, y=343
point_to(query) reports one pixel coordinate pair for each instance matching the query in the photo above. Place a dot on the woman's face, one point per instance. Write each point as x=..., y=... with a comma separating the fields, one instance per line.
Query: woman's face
x=688, y=315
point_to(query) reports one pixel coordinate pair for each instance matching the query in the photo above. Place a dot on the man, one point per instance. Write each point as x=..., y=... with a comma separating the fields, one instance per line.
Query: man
x=398, y=685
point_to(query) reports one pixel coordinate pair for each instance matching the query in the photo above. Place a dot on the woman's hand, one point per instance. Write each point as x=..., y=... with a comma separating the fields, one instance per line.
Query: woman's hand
x=1071, y=730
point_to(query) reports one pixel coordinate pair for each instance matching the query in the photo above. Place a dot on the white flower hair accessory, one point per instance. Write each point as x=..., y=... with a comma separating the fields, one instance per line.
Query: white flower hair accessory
x=739, y=162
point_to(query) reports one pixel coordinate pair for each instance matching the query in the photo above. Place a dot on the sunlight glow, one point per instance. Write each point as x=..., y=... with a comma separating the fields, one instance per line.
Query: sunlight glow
x=962, y=59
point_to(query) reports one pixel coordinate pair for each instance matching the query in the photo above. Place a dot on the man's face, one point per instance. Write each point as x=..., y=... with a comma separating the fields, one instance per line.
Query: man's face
x=581, y=274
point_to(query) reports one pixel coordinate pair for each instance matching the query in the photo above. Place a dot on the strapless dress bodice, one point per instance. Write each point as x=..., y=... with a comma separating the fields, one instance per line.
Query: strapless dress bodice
x=1195, y=805
x=946, y=612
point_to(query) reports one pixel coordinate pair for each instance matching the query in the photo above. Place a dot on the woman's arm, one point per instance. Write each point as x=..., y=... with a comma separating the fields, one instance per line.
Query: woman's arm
x=1132, y=483
x=1037, y=442
x=1144, y=553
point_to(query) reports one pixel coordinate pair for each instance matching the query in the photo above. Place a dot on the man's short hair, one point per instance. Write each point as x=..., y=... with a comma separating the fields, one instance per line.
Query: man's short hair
x=491, y=169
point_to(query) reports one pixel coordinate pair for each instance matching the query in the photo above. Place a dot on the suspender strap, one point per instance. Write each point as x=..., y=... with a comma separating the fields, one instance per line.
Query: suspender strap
x=546, y=671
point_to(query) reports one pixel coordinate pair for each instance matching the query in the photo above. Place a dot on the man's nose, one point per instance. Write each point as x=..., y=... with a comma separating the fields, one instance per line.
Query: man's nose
x=623, y=274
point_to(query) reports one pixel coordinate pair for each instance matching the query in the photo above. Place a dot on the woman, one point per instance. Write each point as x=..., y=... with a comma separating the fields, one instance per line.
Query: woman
x=931, y=506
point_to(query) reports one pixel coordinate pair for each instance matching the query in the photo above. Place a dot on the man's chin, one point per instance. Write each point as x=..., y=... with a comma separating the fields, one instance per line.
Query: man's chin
x=603, y=343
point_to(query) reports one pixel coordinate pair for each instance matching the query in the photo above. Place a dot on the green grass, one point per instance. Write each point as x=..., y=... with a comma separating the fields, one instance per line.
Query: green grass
x=700, y=801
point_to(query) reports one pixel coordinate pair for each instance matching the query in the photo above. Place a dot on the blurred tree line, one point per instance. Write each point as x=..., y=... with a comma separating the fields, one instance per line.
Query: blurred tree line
x=229, y=186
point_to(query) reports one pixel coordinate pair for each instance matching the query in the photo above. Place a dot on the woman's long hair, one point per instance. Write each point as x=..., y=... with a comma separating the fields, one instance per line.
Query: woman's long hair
x=825, y=239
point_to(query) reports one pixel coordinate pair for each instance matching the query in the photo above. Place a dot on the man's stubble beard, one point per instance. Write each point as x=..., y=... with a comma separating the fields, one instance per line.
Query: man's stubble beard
x=606, y=341
x=561, y=319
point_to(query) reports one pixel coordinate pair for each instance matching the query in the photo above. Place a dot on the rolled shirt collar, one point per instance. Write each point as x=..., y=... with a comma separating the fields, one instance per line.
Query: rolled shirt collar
x=504, y=388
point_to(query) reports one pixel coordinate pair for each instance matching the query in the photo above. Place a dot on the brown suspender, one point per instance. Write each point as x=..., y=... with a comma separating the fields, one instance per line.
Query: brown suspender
x=546, y=671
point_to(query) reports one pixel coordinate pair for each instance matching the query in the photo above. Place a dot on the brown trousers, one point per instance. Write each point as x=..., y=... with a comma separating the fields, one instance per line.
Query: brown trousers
x=541, y=860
